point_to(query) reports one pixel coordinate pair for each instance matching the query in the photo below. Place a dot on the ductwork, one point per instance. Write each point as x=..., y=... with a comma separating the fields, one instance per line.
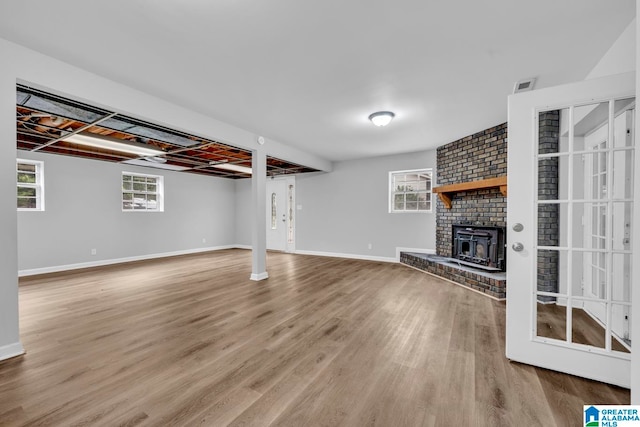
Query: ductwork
x=46, y=123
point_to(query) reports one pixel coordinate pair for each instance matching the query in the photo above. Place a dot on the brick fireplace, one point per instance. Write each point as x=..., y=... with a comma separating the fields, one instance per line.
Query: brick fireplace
x=477, y=157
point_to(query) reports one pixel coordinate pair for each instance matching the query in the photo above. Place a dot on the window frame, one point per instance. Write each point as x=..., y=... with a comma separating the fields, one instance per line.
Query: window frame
x=38, y=186
x=159, y=193
x=392, y=192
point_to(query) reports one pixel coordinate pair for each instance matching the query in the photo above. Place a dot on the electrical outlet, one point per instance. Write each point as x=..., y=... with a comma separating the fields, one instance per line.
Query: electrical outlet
x=204, y=240
x=370, y=245
x=94, y=251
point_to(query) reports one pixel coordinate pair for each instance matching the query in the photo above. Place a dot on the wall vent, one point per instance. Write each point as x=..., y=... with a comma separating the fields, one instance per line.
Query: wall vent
x=524, y=85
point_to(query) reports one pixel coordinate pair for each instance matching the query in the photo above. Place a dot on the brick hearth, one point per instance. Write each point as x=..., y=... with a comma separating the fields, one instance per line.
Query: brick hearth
x=493, y=284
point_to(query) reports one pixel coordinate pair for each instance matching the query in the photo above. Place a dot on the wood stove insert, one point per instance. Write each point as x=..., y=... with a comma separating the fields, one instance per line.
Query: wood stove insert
x=479, y=246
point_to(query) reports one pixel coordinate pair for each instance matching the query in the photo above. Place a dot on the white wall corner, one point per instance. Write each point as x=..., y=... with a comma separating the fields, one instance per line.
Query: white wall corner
x=621, y=56
x=11, y=350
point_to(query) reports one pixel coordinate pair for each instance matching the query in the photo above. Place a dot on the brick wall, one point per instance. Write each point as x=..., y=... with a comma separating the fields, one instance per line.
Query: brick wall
x=548, y=215
x=479, y=156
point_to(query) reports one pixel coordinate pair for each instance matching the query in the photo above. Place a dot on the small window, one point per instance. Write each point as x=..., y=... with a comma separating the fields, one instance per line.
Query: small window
x=410, y=191
x=30, y=180
x=142, y=193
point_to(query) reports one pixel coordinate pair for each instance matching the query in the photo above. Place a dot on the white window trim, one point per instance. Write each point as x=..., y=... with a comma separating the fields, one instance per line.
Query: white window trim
x=39, y=185
x=159, y=192
x=391, y=192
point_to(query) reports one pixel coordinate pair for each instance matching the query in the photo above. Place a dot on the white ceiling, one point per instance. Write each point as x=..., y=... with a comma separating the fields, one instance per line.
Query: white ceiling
x=308, y=73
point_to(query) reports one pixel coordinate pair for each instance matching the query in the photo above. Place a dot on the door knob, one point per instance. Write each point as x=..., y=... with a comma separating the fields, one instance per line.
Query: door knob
x=517, y=246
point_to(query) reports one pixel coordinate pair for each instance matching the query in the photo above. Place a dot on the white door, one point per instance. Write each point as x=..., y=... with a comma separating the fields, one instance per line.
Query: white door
x=280, y=214
x=570, y=210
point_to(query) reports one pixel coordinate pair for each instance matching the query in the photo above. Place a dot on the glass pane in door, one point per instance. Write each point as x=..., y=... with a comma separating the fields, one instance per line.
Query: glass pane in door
x=585, y=329
x=274, y=212
x=584, y=211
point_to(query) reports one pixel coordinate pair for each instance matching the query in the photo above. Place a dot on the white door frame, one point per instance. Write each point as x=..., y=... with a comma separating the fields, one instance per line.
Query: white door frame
x=522, y=344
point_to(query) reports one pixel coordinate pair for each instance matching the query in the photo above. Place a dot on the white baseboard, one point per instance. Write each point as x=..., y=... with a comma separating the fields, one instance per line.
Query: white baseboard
x=57, y=268
x=11, y=350
x=351, y=256
x=259, y=276
x=67, y=267
x=416, y=250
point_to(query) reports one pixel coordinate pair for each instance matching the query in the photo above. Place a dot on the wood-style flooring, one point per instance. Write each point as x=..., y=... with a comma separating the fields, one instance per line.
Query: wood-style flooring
x=191, y=340
x=552, y=323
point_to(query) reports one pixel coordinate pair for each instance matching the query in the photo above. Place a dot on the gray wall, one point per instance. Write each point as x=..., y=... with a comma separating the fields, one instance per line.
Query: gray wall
x=345, y=210
x=83, y=211
x=243, y=212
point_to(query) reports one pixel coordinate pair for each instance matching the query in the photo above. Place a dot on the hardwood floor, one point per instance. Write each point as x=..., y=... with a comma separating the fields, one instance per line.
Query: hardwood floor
x=324, y=341
x=552, y=323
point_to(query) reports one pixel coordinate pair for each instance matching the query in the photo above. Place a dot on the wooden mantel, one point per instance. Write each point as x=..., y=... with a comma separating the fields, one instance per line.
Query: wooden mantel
x=445, y=192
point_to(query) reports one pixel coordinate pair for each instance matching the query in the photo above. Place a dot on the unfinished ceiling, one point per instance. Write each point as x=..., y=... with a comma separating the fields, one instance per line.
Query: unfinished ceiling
x=308, y=74
x=48, y=123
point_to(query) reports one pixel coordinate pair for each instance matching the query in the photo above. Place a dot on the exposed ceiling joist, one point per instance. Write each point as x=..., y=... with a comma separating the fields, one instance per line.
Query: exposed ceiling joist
x=45, y=122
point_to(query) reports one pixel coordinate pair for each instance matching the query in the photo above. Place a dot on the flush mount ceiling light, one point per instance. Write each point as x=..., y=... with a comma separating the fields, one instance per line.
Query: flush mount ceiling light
x=381, y=118
x=112, y=144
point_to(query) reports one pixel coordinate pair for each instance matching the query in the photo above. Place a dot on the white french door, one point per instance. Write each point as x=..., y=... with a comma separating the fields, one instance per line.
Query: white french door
x=570, y=211
x=280, y=214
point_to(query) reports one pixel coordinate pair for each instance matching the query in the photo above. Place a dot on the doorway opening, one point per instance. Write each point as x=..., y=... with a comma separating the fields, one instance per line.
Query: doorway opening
x=281, y=214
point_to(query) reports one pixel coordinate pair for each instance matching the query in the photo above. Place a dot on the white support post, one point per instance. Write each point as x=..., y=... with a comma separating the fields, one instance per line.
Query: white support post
x=259, y=220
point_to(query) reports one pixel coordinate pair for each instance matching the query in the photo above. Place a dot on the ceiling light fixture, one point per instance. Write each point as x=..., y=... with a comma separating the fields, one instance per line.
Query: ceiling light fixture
x=166, y=166
x=232, y=167
x=381, y=118
x=106, y=143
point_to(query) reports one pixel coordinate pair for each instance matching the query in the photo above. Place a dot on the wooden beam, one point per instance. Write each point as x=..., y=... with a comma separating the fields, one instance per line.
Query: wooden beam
x=472, y=185
x=445, y=192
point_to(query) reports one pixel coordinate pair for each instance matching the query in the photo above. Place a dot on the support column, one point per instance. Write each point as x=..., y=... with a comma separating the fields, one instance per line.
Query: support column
x=10, y=345
x=259, y=220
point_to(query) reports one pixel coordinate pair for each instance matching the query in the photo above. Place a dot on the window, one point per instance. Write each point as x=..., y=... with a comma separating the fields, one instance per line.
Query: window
x=30, y=181
x=410, y=191
x=142, y=192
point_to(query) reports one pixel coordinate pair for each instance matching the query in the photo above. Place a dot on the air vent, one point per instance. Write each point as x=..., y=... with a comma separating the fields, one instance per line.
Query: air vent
x=524, y=85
